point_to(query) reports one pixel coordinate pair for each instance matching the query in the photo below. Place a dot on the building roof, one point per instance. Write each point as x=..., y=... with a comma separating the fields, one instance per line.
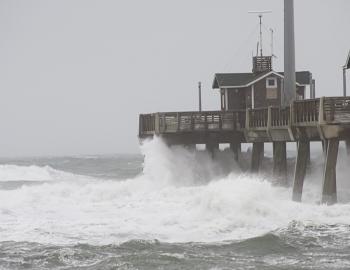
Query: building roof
x=239, y=80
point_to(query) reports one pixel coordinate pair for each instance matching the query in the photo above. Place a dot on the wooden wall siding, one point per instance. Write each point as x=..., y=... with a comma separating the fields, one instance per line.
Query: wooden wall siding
x=236, y=99
x=241, y=98
x=260, y=99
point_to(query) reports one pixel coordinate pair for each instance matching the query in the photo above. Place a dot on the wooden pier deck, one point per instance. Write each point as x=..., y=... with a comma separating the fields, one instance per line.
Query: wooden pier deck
x=325, y=119
x=311, y=119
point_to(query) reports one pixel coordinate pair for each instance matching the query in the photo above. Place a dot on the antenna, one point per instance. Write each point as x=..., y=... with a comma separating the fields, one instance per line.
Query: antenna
x=260, y=22
x=272, y=54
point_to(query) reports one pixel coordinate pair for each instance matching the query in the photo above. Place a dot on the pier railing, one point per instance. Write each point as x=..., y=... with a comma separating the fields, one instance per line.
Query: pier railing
x=280, y=117
x=306, y=112
x=309, y=112
x=173, y=122
x=257, y=118
x=336, y=110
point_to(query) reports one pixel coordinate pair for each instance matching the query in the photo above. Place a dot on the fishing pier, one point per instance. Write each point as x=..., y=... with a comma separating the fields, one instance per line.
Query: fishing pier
x=265, y=106
x=325, y=119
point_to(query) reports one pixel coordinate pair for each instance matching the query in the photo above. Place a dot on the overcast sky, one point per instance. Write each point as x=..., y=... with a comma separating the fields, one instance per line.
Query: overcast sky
x=75, y=74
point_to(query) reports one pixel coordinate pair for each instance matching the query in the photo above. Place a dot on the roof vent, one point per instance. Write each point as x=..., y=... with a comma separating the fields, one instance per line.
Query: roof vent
x=262, y=64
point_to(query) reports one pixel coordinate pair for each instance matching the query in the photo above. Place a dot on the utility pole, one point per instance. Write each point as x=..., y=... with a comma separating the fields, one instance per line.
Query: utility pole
x=345, y=67
x=289, y=53
x=344, y=81
x=200, y=96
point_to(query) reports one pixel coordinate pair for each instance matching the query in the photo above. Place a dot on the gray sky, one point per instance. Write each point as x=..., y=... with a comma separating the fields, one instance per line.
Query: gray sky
x=75, y=74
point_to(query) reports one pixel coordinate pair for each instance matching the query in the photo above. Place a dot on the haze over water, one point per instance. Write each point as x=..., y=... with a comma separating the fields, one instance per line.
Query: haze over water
x=174, y=209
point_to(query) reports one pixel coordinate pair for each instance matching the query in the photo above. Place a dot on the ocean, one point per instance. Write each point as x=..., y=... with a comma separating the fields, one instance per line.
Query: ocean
x=166, y=209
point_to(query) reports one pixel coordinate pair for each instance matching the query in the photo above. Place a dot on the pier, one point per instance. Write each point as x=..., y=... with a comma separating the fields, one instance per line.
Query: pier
x=325, y=119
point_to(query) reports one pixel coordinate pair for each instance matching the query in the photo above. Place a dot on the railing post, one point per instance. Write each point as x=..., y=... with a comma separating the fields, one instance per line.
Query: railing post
x=156, y=123
x=205, y=122
x=268, y=126
x=140, y=125
x=291, y=116
x=192, y=122
x=178, y=115
x=247, y=118
x=220, y=120
x=291, y=121
x=235, y=121
x=321, y=119
x=332, y=109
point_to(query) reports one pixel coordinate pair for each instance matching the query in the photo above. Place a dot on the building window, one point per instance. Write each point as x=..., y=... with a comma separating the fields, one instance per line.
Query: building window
x=271, y=82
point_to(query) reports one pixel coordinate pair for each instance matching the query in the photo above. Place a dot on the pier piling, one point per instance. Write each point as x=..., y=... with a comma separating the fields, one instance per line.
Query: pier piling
x=236, y=149
x=212, y=147
x=257, y=156
x=280, y=162
x=300, y=169
x=347, y=143
x=329, y=186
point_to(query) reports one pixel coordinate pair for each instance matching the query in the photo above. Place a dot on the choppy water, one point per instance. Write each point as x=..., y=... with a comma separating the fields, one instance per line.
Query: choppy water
x=172, y=209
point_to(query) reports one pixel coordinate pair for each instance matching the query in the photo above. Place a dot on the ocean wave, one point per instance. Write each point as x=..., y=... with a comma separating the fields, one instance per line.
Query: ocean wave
x=9, y=172
x=182, y=196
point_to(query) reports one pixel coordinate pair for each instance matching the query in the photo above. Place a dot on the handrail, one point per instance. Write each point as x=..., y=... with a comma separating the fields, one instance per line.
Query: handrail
x=336, y=110
x=258, y=117
x=171, y=122
x=308, y=112
x=280, y=116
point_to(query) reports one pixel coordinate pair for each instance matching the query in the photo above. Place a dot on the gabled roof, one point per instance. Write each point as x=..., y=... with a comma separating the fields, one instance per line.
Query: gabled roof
x=239, y=80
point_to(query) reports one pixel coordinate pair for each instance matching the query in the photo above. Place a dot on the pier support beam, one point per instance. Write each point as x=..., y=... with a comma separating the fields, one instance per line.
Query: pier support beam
x=347, y=143
x=280, y=162
x=212, y=147
x=329, y=187
x=257, y=156
x=236, y=149
x=300, y=169
x=308, y=155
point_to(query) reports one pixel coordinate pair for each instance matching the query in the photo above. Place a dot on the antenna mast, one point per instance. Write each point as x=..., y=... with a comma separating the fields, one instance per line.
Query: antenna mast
x=271, y=30
x=260, y=15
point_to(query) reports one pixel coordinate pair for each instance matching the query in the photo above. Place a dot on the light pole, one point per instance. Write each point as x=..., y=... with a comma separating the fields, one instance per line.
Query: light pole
x=345, y=67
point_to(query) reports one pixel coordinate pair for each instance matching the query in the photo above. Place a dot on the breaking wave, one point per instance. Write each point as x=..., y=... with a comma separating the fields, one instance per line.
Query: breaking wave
x=31, y=173
x=181, y=196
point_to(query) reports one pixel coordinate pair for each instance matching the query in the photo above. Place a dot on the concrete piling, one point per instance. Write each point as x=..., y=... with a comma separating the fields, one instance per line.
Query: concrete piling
x=300, y=169
x=329, y=186
x=347, y=143
x=280, y=162
x=212, y=147
x=257, y=156
x=236, y=149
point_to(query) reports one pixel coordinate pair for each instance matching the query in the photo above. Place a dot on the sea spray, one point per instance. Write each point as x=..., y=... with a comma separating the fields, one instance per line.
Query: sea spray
x=181, y=196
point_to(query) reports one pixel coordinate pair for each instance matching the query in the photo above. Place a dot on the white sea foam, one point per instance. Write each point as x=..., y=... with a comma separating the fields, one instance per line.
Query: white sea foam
x=173, y=200
x=31, y=173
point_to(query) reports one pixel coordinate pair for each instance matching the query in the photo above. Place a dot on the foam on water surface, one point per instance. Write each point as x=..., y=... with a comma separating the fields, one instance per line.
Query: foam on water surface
x=181, y=196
